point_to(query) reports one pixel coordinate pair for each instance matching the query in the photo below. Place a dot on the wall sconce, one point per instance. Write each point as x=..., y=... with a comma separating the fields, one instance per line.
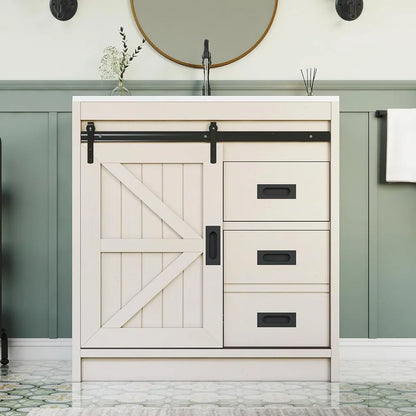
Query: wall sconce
x=349, y=9
x=63, y=9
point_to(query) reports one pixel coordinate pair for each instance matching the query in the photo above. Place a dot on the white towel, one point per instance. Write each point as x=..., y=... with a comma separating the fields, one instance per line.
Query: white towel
x=401, y=145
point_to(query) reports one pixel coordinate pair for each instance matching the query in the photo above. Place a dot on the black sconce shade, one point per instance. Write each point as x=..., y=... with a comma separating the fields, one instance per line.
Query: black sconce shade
x=349, y=9
x=63, y=9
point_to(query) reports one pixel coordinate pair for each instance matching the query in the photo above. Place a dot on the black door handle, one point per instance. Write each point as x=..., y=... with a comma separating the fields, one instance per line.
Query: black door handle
x=276, y=191
x=276, y=319
x=213, y=245
x=276, y=257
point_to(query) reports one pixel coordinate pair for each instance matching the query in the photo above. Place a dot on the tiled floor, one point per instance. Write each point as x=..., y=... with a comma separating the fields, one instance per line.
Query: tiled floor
x=47, y=384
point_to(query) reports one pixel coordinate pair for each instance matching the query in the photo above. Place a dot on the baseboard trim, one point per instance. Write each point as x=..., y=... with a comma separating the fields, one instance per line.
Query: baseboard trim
x=391, y=349
x=40, y=349
x=378, y=349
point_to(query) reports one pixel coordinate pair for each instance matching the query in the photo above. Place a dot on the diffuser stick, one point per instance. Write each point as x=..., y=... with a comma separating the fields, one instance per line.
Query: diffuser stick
x=309, y=79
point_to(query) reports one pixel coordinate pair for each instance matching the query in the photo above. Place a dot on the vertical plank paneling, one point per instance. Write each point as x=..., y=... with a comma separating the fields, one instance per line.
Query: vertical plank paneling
x=354, y=224
x=75, y=250
x=152, y=262
x=393, y=287
x=173, y=198
x=53, y=224
x=64, y=226
x=131, y=263
x=25, y=210
x=374, y=154
x=192, y=276
x=110, y=205
x=110, y=228
x=110, y=285
x=131, y=283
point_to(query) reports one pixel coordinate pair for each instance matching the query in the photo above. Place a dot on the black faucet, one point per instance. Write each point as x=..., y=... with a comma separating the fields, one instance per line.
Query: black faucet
x=206, y=64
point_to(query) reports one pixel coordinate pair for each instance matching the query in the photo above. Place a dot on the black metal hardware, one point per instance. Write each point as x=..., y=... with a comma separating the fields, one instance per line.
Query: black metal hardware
x=276, y=319
x=90, y=148
x=212, y=137
x=381, y=113
x=213, y=130
x=276, y=191
x=213, y=245
x=203, y=136
x=63, y=9
x=4, y=348
x=206, y=65
x=276, y=257
x=3, y=335
x=349, y=9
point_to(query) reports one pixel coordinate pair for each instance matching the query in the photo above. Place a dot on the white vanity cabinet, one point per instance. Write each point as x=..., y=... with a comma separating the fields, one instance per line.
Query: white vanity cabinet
x=205, y=238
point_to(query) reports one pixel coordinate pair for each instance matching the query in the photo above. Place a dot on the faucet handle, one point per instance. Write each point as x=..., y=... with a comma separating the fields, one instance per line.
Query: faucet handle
x=206, y=65
x=206, y=54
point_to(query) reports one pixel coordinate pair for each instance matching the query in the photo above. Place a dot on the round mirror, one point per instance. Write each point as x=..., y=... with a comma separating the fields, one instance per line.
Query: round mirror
x=177, y=28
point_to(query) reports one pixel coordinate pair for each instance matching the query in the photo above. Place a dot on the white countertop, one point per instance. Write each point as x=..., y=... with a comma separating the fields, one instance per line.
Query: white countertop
x=219, y=98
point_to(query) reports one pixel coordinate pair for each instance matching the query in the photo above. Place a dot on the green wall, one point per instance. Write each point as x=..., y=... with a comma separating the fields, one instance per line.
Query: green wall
x=354, y=224
x=378, y=220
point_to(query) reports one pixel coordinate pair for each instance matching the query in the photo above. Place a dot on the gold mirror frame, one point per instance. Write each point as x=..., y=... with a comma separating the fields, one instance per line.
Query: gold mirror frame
x=200, y=66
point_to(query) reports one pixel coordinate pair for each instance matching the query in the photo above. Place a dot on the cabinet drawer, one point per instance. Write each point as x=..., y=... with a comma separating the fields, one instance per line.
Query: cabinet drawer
x=276, y=191
x=258, y=257
x=276, y=320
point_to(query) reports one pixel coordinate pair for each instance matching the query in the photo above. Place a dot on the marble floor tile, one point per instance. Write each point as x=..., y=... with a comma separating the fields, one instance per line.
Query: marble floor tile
x=25, y=384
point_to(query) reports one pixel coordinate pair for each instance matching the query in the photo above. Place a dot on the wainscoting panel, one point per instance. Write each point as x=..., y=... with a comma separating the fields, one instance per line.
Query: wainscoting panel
x=64, y=301
x=354, y=224
x=25, y=209
x=378, y=221
x=396, y=244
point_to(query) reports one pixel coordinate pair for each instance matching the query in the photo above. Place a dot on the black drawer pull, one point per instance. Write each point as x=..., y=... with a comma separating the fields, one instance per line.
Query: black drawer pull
x=276, y=320
x=213, y=245
x=276, y=257
x=276, y=191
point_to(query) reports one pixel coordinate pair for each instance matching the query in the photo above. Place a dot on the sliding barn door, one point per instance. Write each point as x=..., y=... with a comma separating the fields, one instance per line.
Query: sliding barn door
x=144, y=279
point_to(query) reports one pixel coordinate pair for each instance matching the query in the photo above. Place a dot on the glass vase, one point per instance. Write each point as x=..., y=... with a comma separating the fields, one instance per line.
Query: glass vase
x=120, y=90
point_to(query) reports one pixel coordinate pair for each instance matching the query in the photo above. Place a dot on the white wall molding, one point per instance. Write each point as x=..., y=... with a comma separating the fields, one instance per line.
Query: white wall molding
x=40, y=349
x=389, y=349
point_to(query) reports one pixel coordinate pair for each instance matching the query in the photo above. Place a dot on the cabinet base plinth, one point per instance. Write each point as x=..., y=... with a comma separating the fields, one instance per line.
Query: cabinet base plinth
x=205, y=369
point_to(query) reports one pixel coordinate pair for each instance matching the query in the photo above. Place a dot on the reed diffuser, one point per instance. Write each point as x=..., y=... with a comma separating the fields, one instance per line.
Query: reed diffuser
x=309, y=79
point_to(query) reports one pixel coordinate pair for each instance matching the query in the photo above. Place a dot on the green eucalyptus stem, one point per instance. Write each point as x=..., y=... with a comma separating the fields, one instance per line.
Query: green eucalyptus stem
x=125, y=59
